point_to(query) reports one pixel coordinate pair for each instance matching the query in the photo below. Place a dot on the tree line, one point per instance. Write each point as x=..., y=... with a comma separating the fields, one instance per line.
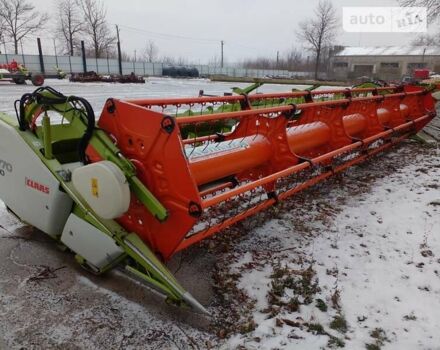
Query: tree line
x=75, y=20
x=87, y=19
x=318, y=34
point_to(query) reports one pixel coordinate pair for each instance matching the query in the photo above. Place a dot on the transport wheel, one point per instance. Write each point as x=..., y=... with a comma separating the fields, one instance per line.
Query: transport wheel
x=37, y=79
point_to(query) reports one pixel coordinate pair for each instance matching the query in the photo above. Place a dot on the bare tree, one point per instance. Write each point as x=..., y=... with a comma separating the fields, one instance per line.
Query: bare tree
x=96, y=27
x=69, y=24
x=320, y=31
x=214, y=61
x=2, y=21
x=182, y=61
x=294, y=60
x=20, y=20
x=168, y=60
x=432, y=6
x=426, y=40
x=433, y=9
x=2, y=28
x=259, y=63
x=151, y=51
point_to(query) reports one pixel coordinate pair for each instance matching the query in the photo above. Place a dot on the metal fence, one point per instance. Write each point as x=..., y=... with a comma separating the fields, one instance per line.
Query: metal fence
x=74, y=64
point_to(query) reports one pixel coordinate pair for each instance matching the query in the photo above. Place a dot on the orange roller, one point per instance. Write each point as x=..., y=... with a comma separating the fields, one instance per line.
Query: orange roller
x=354, y=124
x=404, y=111
x=220, y=160
x=384, y=115
x=308, y=136
x=236, y=156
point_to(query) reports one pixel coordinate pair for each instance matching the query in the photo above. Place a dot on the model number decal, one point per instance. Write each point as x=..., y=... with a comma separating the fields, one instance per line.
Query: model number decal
x=5, y=167
x=37, y=186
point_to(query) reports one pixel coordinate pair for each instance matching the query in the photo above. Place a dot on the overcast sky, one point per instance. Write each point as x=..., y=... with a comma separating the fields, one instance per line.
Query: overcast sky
x=192, y=29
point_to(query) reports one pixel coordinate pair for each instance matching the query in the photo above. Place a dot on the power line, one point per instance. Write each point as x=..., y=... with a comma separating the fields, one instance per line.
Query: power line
x=166, y=35
x=173, y=36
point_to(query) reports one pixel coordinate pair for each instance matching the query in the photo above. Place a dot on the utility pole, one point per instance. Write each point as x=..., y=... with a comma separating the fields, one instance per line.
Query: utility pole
x=119, y=50
x=2, y=39
x=278, y=59
x=22, y=52
x=54, y=50
x=40, y=54
x=134, y=62
x=84, y=59
x=221, y=56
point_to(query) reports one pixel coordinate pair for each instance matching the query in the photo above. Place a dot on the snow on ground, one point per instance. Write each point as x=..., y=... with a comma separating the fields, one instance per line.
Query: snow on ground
x=354, y=263
x=360, y=269
x=48, y=302
x=98, y=93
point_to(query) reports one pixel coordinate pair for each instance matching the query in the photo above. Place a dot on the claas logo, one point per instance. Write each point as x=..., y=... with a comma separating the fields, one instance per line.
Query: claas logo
x=37, y=186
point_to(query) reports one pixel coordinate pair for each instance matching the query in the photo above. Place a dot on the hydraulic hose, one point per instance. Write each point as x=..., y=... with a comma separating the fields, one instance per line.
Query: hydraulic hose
x=49, y=101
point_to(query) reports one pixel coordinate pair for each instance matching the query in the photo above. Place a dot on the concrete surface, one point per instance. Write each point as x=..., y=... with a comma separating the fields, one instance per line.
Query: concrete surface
x=48, y=301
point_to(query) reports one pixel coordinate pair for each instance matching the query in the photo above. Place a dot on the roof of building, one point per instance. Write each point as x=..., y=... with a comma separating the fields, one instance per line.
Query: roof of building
x=390, y=51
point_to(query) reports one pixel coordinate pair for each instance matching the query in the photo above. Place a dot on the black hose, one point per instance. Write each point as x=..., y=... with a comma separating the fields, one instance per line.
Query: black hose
x=84, y=142
x=49, y=102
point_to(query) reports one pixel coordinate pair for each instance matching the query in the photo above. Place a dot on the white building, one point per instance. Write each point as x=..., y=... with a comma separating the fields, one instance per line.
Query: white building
x=383, y=62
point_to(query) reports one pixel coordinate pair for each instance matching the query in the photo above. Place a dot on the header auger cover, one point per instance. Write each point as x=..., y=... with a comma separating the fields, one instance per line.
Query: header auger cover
x=155, y=176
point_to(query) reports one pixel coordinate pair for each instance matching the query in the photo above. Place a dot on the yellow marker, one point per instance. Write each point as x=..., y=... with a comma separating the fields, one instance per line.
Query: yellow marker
x=95, y=191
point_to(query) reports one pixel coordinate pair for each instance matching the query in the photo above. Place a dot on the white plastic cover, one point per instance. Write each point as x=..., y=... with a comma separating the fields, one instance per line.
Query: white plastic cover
x=27, y=186
x=96, y=247
x=104, y=187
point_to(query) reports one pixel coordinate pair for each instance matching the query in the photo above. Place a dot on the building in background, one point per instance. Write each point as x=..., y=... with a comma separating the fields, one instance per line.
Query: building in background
x=387, y=63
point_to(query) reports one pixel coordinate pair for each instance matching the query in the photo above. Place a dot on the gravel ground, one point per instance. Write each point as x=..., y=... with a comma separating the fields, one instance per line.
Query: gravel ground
x=244, y=275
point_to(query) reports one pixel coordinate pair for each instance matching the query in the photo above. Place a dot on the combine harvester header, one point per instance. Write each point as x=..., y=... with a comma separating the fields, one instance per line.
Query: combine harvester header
x=155, y=176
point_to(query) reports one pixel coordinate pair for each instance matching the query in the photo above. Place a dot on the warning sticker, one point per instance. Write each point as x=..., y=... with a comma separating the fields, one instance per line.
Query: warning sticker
x=94, y=187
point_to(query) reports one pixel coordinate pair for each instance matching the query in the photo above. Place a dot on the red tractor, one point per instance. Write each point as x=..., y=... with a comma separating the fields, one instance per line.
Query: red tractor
x=18, y=74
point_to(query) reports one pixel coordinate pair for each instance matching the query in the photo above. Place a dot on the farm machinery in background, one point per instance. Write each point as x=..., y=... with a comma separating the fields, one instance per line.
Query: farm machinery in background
x=93, y=77
x=153, y=177
x=17, y=73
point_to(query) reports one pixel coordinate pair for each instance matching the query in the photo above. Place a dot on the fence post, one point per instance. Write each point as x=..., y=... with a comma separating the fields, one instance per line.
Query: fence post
x=40, y=53
x=6, y=52
x=22, y=53
x=83, y=50
x=119, y=56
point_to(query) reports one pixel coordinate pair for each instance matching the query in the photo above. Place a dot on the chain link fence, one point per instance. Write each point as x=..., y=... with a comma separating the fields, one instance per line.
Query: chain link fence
x=74, y=64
